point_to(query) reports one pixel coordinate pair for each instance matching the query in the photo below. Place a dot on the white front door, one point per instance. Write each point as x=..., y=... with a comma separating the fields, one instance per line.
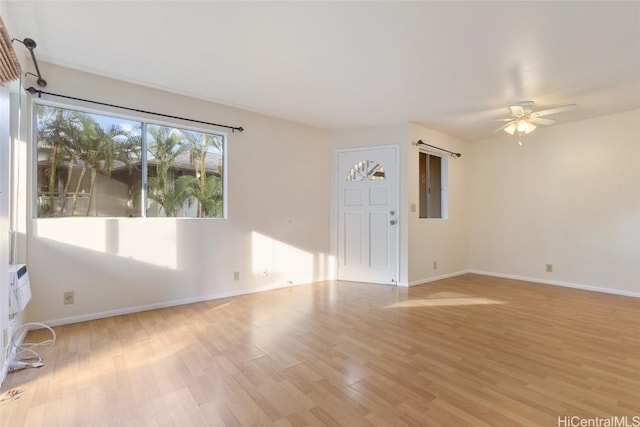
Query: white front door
x=368, y=215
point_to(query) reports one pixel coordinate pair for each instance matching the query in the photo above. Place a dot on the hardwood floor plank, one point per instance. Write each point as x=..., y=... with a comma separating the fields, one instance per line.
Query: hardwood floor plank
x=469, y=350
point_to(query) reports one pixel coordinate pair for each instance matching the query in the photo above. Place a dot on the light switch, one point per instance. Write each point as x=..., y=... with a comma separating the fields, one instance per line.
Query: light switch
x=413, y=207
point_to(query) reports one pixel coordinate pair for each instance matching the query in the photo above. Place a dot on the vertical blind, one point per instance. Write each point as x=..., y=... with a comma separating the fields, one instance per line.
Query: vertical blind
x=9, y=65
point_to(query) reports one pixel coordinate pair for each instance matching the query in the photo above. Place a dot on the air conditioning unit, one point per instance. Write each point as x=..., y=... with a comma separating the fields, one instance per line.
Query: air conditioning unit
x=19, y=288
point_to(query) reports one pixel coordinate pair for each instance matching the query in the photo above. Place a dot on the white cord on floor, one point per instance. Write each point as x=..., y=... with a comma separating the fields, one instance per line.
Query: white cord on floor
x=27, y=354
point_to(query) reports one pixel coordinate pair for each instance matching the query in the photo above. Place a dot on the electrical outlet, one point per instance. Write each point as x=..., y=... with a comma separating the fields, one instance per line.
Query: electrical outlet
x=549, y=268
x=69, y=297
x=236, y=275
x=435, y=265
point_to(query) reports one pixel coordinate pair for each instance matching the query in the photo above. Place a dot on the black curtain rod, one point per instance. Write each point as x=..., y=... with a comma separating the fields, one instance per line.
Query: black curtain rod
x=34, y=91
x=421, y=142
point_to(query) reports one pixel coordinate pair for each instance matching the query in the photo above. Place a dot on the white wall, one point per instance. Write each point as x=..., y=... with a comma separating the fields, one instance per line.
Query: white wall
x=431, y=239
x=277, y=208
x=570, y=196
x=5, y=153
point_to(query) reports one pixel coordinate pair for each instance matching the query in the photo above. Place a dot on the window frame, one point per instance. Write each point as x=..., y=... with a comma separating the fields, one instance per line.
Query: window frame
x=444, y=184
x=144, y=120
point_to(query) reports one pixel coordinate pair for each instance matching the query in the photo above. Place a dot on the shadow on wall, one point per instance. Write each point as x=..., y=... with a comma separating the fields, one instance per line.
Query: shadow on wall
x=176, y=245
x=114, y=264
x=101, y=282
x=127, y=239
x=273, y=257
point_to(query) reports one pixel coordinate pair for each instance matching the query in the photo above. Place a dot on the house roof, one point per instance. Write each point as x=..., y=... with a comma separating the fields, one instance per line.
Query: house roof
x=213, y=162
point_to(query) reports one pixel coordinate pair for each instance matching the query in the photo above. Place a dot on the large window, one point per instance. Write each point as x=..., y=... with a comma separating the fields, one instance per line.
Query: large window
x=96, y=165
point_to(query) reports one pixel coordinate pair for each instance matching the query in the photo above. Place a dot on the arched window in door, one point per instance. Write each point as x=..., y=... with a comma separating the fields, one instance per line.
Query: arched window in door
x=366, y=170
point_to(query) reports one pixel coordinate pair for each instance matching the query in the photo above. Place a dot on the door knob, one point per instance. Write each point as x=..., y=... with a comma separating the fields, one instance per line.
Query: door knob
x=392, y=222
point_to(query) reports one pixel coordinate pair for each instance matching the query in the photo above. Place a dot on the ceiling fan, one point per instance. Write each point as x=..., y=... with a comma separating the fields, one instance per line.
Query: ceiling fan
x=524, y=120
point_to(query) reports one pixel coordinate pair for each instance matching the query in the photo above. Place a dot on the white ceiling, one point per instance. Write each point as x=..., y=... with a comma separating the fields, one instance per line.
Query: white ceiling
x=453, y=66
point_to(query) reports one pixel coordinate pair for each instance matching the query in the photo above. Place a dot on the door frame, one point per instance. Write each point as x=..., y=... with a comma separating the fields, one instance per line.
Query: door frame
x=336, y=190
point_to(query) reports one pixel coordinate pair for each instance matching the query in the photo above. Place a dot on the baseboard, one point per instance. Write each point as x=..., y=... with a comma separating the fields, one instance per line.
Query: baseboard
x=228, y=294
x=165, y=304
x=433, y=279
x=558, y=283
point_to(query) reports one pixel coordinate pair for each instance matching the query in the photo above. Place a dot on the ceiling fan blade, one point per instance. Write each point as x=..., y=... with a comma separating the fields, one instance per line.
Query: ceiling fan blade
x=545, y=122
x=503, y=120
x=554, y=110
x=516, y=110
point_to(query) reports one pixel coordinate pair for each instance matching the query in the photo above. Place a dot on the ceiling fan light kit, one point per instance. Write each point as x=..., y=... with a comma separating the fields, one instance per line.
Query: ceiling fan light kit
x=521, y=125
x=525, y=126
x=524, y=120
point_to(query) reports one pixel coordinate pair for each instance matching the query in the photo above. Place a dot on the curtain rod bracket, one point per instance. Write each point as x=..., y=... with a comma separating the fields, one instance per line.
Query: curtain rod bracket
x=30, y=44
x=451, y=153
x=33, y=91
x=41, y=82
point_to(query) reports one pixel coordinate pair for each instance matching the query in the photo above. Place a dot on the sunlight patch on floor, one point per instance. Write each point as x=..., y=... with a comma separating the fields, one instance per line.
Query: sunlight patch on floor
x=443, y=302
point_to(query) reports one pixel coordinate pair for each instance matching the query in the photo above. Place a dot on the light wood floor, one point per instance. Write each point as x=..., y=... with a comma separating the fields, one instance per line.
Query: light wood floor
x=470, y=350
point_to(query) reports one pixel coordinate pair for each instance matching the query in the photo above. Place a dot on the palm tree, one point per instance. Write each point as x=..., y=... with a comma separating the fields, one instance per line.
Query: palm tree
x=172, y=197
x=165, y=147
x=87, y=154
x=49, y=138
x=132, y=145
x=104, y=150
x=81, y=126
x=208, y=185
x=209, y=195
x=57, y=131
